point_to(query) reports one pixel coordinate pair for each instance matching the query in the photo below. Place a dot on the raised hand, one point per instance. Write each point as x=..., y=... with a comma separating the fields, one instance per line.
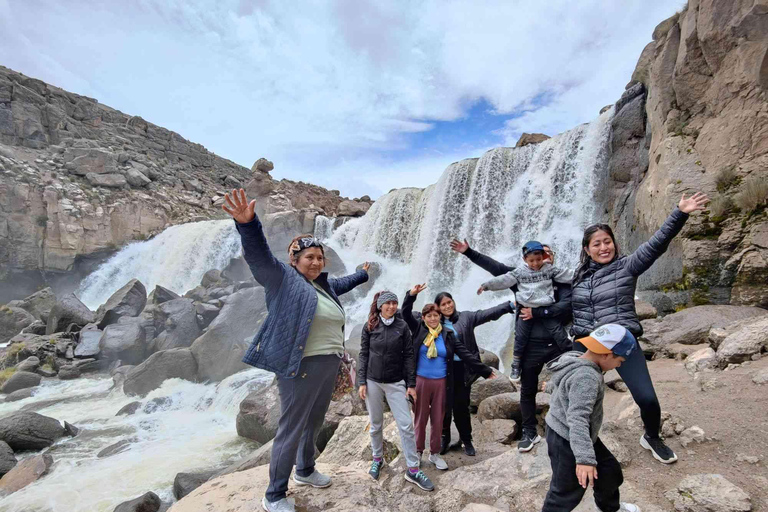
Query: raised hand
x=238, y=207
x=480, y=290
x=696, y=202
x=366, y=265
x=460, y=247
x=418, y=289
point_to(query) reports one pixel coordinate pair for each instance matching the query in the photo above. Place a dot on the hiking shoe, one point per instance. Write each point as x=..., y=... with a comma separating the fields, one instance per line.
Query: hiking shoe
x=376, y=468
x=420, y=479
x=282, y=505
x=514, y=375
x=527, y=442
x=438, y=461
x=316, y=479
x=629, y=507
x=445, y=445
x=661, y=452
x=469, y=449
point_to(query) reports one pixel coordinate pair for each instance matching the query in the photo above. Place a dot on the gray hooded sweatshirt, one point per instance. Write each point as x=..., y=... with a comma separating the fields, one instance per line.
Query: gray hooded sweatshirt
x=576, y=405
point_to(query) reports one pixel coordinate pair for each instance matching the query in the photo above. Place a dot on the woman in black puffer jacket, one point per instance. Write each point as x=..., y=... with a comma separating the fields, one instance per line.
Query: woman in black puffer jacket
x=604, y=293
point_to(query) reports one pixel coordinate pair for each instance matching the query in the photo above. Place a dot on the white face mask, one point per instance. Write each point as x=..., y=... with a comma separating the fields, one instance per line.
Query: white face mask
x=387, y=321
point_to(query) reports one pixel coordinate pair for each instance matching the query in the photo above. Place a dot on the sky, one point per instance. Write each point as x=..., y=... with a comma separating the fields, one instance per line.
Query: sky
x=355, y=95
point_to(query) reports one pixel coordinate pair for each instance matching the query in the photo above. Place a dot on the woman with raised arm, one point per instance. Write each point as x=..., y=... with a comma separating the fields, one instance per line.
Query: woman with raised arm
x=604, y=293
x=464, y=365
x=301, y=341
x=541, y=347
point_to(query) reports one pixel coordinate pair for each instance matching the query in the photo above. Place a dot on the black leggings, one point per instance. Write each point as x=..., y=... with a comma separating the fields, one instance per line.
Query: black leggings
x=634, y=372
x=537, y=354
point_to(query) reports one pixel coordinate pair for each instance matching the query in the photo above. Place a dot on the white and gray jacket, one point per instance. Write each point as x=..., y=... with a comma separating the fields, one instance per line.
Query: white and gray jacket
x=534, y=287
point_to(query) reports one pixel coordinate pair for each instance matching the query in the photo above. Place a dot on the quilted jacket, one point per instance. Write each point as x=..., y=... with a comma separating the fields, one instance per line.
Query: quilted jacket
x=605, y=294
x=386, y=354
x=291, y=302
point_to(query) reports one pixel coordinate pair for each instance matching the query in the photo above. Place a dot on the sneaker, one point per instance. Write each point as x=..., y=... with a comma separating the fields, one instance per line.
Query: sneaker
x=437, y=461
x=629, y=507
x=661, y=452
x=514, y=375
x=316, y=479
x=420, y=479
x=527, y=442
x=469, y=449
x=445, y=445
x=376, y=468
x=282, y=505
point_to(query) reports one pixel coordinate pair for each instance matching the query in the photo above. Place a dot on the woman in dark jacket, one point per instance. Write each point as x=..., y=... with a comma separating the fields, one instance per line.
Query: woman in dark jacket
x=604, y=293
x=421, y=329
x=301, y=341
x=388, y=372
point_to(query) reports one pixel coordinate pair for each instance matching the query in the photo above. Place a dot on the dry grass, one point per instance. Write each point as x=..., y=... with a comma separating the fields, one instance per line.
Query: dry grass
x=725, y=179
x=6, y=374
x=720, y=207
x=753, y=194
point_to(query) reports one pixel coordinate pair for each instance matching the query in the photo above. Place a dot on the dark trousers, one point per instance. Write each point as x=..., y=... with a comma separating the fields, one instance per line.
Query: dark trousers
x=429, y=408
x=537, y=354
x=565, y=492
x=304, y=400
x=523, y=330
x=458, y=407
x=634, y=373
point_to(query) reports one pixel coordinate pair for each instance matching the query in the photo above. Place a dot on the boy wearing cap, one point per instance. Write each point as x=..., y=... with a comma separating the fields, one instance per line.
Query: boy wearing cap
x=577, y=455
x=535, y=289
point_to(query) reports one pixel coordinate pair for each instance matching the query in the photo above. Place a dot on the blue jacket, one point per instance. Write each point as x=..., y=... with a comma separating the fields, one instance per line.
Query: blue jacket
x=291, y=302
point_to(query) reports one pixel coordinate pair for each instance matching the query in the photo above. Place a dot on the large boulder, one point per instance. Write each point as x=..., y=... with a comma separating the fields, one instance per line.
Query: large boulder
x=162, y=294
x=7, y=458
x=260, y=457
x=708, y=493
x=177, y=319
x=219, y=352
x=507, y=406
x=21, y=380
x=125, y=342
x=12, y=321
x=20, y=395
x=185, y=483
x=259, y=414
x=39, y=304
x=149, y=502
x=68, y=310
x=127, y=301
x=352, y=441
x=30, y=364
x=743, y=343
x=485, y=388
x=348, y=405
x=24, y=473
x=88, y=344
x=349, y=208
x=160, y=366
x=531, y=138
x=30, y=431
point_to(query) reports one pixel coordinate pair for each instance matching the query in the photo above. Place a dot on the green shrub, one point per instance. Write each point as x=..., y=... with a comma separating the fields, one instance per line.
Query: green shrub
x=726, y=178
x=753, y=194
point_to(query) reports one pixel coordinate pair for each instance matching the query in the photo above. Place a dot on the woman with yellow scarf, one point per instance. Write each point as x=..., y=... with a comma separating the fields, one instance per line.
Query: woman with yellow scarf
x=433, y=348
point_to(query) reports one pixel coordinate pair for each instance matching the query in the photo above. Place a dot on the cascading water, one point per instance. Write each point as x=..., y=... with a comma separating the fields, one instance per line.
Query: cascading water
x=325, y=226
x=177, y=258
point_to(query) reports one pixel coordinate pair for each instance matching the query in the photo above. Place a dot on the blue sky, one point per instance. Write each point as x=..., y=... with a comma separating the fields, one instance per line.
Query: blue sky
x=361, y=96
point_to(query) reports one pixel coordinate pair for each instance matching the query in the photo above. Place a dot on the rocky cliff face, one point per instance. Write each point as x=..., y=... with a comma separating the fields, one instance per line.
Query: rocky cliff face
x=79, y=179
x=695, y=117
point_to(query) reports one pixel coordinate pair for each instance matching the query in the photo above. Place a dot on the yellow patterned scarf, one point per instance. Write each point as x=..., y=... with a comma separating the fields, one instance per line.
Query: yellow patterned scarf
x=429, y=341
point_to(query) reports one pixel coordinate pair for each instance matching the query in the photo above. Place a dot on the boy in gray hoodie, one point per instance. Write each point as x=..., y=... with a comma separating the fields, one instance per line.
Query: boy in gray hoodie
x=577, y=455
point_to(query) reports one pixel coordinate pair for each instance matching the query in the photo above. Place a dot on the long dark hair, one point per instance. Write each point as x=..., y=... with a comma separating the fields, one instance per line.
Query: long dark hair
x=440, y=296
x=373, y=314
x=585, y=257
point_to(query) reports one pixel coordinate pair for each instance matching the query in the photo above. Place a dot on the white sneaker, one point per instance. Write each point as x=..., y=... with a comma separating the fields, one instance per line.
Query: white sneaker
x=438, y=461
x=282, y=505
x=629, y=507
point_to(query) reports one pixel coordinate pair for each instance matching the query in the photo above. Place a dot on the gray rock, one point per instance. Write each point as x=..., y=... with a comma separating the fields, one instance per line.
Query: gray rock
x=219, y=352
x=127, y=301
x=263, y=165
x=85, y=161
x=12, y=321
x=760, y=377
x=119, y=374
x=129, y=409
x=185, y=483
x=24, y=473
x=259, y=414
x=163, y=365
x=261, y=456
x=211, y=278
x=37, y=327
x=21, y=380
x=177, y=320
x=7, y=458
x=114, y=449
x=70, y=429
x=88, y=344
x=69, y=372
x=68, y=310
x=162, y=403
x=645, y=310
x=39, y=304
x=149, y=502
x=205, y=314
x=123, y=341
x=30, y=431
x=708, y=493
x=485, y=388
x=30, y=364
x=507, y=406
x=489, y=358
x=106, y=180
x=690, y=435
x=742, y=344
x=20, y=395
x=701, y=360
x=162, y=294
x=232, y=182
x=136, y=178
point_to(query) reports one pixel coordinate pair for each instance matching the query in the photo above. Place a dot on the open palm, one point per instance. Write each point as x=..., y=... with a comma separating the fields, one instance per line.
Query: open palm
x=696, y=202
x=238, y=207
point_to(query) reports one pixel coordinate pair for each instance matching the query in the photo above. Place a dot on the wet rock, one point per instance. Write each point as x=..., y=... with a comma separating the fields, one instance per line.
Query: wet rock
x=129, y=409
x=119, y=374
x=20, y=395
x=68, y=310
x=30, y=364
x=259, y=414
x=69, y=372
x=162, y=294
x=123, y=341
x=70, y=429
x=88, y=344
x=21, y=380
x=24, y=473
x=30, y=431
x=149, y=502
x=114, y=449
x=740, y=345
x=7, y=458
x=485, y=388
x=161, y=403
x=12, y=321
x=185, y=483
x=163, y=365
x=708, y=493
x=127, y=301
x=178, y=322
x=38, y=304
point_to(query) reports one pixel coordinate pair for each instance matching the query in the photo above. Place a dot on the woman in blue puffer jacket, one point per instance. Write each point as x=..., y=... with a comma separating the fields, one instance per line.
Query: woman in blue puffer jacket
x=604, y=293
x=301, y=341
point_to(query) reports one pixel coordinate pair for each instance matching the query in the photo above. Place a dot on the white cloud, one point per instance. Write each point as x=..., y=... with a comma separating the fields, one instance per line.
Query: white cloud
x=329, y=83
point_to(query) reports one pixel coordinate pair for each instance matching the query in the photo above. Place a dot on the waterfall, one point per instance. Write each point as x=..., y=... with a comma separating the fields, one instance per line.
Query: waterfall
x=177, y=258
x=325, y=226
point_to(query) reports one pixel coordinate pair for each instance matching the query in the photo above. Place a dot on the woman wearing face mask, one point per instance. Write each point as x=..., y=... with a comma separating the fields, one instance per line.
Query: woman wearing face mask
x=388, y=372
x=604, y=293
x=301, y=341
x=434, y=348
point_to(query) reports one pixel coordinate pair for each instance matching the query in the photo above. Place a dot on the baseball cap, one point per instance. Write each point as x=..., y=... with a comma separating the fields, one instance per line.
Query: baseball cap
x=532, y=246
x=610, y=338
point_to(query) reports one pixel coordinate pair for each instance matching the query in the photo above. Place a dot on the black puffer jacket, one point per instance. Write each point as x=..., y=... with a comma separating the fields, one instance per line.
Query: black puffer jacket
x=386, y=354
x=605, y=294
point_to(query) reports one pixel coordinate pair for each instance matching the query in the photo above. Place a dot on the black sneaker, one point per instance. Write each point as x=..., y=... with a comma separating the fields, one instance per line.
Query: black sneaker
x=661, y=452
x=469, y=449
x=445, y=445
x=514, y=374
x=376, y=469
x=527, y=442
x=420, y=479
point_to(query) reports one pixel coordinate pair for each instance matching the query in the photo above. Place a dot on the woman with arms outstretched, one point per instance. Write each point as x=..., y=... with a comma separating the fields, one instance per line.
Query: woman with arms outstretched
x=301, y=341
